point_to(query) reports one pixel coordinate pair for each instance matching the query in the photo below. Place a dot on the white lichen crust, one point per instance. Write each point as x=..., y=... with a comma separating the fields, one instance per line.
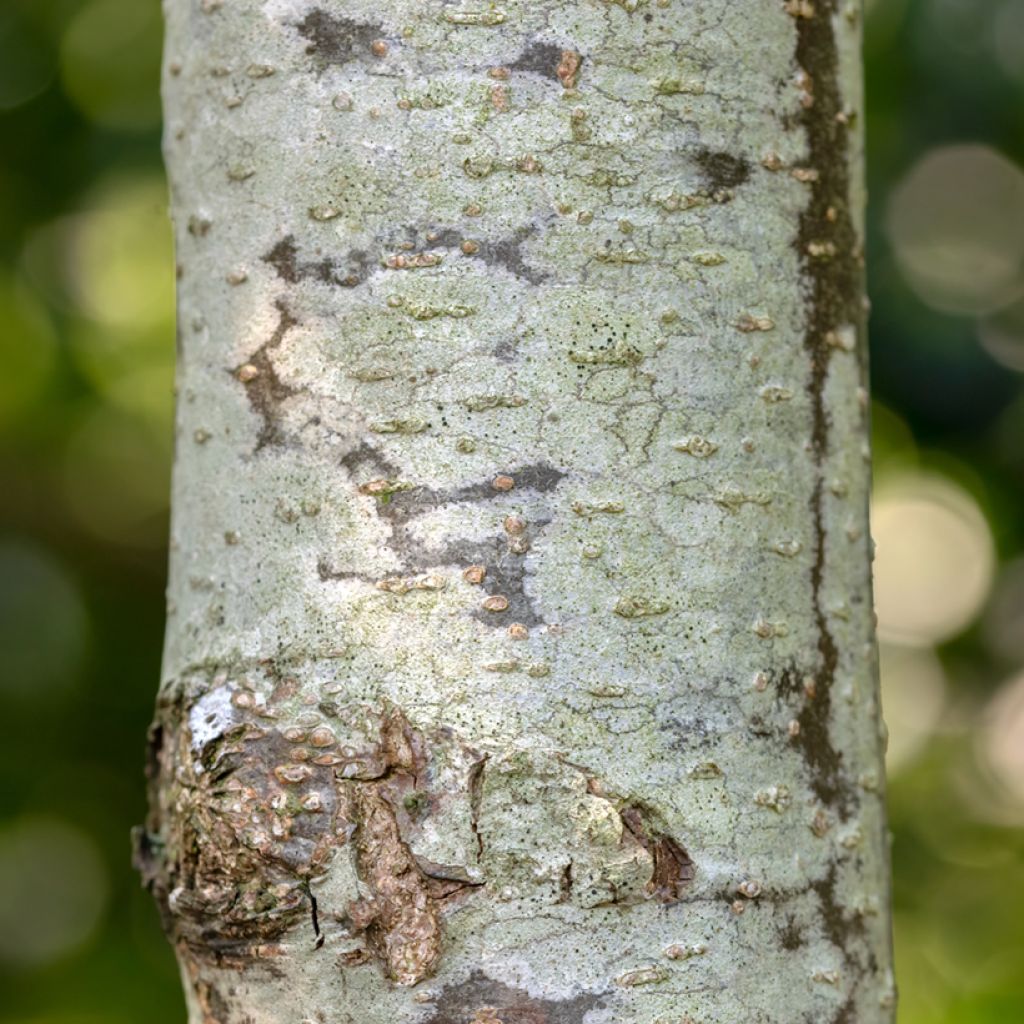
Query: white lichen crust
x=520, y=664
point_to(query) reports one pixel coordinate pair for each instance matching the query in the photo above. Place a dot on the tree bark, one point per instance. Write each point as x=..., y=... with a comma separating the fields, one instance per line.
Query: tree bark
x=520, y=664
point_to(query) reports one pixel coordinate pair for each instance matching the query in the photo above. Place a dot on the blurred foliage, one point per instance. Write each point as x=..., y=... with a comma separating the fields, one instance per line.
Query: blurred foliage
x=86, y=341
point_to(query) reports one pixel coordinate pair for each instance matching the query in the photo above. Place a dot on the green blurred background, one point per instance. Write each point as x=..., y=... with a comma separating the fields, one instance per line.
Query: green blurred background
x=86, y=363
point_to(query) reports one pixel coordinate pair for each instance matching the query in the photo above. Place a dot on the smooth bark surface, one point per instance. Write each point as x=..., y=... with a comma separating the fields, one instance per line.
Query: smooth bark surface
x=520, y=663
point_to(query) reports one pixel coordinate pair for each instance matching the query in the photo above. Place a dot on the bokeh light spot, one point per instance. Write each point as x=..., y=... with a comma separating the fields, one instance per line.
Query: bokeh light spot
x=1007, y=35
x=913, y=697
x=956, y=224
x=110, y=60
x=1003, y=740
x=53, y=890
x=122, y=256
x=935, y=559
x=1004, y=618
x=1002, y=336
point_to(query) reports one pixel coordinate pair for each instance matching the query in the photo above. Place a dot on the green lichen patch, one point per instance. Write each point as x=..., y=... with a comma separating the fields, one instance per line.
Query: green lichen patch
x=639, y=606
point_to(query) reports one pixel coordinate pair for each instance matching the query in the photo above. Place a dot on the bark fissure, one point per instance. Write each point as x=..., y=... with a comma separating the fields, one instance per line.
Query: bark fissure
x=315, y=920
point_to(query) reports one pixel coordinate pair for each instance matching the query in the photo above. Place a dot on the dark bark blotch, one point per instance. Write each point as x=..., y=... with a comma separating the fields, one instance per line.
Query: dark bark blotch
x=337, y=40
x=347, y=272
x=506, y=569
x=540, y=59
x=722, y=171
x=265, y=389
x=465, y=1000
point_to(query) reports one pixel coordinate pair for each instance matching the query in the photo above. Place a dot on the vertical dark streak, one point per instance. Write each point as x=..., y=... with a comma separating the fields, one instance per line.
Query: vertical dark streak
x=833, y=287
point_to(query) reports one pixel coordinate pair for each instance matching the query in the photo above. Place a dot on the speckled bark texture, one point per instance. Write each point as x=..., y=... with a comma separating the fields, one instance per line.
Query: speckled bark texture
x=520, y=665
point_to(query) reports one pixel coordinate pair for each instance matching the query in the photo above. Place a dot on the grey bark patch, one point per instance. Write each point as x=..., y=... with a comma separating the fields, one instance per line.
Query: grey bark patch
x=416, y=501
x=847, y=932
x=462, y=1002
x=507, y=253
x=506, y=576
x=347, y=272
x=722, y=170
x=788, y=683
x=337, y=40
x=846, y=1014
x=792, y=935
x=824, y=761
x=840, y=928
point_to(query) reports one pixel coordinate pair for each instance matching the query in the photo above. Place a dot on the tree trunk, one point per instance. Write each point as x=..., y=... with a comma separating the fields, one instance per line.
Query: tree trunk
x=520, y=662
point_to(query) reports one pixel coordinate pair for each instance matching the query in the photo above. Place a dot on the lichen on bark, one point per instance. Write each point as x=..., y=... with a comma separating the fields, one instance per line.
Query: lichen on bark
x=519, y=664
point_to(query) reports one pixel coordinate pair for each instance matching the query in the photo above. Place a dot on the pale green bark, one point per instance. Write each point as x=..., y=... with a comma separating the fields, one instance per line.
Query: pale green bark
x=568, y=290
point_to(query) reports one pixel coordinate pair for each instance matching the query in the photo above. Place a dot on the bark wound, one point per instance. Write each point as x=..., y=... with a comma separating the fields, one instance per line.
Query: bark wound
x=833, y=285
x=265, y=390
x=249, y=808
x=401, y=916
x=242, y=819
x=227, y=883
x=673, y=870
x=482, y=1000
